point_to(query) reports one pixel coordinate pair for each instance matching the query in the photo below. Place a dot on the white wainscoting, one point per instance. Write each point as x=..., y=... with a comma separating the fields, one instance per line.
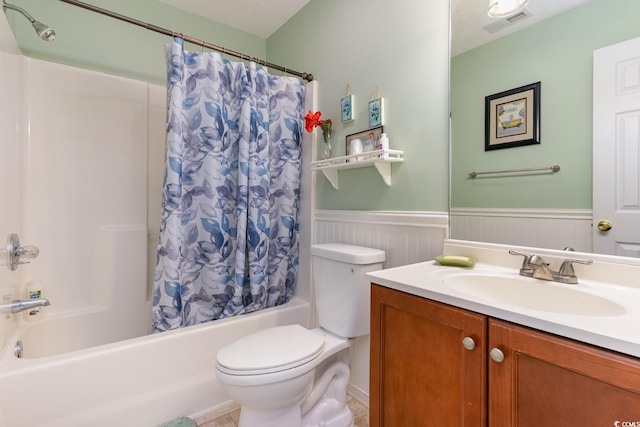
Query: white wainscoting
x=541, y=228
x=406, y=237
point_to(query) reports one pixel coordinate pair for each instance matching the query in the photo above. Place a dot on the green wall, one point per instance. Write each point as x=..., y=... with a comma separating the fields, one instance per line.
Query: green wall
x=89, y=40
x=401, y=47
x=558, y=53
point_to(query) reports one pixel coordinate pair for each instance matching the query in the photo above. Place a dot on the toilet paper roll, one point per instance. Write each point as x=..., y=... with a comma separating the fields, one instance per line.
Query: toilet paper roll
x=356, y=148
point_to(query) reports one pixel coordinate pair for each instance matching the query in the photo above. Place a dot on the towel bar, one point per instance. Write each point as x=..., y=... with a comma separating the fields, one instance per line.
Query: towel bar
x=554, y=168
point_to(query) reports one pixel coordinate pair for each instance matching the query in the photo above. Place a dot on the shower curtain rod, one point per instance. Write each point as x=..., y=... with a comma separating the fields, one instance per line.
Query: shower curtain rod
x=305, y=76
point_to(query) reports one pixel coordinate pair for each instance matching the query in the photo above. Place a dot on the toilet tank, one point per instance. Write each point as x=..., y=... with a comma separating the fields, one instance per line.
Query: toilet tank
x=342, y=291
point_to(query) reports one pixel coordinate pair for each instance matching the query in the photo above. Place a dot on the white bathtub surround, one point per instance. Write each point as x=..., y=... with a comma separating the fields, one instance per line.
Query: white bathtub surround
x=120, y=309
x=11, y=69
x=83, y=146
x=609, y=277
x=84, y=204
x=85, y=171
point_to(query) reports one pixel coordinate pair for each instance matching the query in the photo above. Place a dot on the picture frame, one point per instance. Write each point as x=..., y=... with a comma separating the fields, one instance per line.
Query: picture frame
x=370, y=140
x=346, y=108
x=512, y=118
x=376, y=112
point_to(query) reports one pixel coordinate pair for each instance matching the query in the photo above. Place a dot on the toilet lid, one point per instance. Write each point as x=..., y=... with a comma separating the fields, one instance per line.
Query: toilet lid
x=270, y=350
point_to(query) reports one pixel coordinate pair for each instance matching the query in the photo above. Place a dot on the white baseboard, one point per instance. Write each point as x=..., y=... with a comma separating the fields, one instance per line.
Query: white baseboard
x=359, y=394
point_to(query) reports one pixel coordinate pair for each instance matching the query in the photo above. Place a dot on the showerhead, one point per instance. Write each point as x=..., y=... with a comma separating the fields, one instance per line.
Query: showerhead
x=44, y=31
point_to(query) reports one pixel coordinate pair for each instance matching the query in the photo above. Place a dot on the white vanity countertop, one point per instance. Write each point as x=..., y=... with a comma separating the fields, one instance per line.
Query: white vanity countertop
x=615, y=332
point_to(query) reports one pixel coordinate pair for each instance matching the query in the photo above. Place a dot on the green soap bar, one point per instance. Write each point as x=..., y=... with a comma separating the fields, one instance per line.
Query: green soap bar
x=456, y=260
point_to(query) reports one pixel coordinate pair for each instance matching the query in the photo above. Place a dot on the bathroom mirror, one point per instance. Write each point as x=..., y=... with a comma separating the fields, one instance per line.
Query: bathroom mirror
x=540, y=44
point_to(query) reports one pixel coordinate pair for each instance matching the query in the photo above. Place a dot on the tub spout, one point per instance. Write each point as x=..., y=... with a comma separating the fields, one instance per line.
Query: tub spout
x=16, y=306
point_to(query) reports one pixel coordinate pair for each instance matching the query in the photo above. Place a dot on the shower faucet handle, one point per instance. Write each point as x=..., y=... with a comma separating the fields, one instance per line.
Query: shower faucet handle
x=16, y=254
x=28, y=252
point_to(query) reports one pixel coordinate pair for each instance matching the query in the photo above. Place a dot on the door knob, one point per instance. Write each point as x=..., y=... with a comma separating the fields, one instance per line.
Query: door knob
x=604, y=225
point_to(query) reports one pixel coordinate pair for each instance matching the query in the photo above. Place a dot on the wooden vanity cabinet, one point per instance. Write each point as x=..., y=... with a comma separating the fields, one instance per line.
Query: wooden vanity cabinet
x=422, y=374
x=546, y=380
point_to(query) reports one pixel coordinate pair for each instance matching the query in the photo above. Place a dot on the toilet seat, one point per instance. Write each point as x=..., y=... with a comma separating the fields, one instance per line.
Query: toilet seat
x=270, y=350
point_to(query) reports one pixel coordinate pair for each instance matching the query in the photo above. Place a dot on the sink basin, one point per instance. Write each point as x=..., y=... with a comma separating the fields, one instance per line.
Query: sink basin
x=533, y=294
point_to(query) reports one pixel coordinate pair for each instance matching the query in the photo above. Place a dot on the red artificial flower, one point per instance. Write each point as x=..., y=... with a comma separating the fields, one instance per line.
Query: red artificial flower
x=311, y=120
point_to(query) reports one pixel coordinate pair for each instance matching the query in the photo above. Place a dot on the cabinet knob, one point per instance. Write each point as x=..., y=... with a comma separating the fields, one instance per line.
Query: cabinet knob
x=496, y=355
x=468, y=343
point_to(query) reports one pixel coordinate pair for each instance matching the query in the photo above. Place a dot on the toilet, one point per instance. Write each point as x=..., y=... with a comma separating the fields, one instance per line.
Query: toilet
x=289, y=376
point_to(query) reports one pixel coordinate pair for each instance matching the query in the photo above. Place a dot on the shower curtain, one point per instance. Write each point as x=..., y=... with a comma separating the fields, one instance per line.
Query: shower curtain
x=229, y=229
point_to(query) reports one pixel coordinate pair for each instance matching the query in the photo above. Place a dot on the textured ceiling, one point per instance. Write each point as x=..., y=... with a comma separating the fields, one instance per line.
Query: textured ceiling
x=263, y=17
x=258, y=17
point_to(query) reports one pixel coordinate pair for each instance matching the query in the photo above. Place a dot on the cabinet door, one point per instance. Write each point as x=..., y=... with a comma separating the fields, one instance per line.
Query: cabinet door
x=421, y=374
x=545, y=380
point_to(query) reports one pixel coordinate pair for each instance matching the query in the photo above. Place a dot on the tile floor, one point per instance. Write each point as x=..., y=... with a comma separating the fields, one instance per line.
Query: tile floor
x=360, y=414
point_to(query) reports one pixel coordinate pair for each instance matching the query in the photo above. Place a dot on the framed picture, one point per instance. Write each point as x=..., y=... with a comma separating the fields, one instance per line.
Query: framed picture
x=376, y=112
x=512, y=118
x=346, y=108
x=369, y=141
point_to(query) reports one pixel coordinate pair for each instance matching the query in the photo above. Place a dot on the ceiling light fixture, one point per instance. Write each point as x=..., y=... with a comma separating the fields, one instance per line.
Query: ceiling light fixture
x=504, y=8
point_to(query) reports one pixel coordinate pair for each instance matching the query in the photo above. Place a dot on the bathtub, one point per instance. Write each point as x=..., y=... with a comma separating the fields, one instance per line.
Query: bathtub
x=68, y=333
x=141, y=382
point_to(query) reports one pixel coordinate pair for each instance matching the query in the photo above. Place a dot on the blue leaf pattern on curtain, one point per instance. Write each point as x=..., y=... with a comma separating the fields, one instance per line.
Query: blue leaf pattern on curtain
x=229, y=230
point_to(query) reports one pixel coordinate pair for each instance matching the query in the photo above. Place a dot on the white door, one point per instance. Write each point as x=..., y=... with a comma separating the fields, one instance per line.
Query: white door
x=616, y=149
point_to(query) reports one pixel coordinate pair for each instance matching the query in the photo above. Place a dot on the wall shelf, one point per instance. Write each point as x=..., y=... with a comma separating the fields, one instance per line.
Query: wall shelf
x=381, y=159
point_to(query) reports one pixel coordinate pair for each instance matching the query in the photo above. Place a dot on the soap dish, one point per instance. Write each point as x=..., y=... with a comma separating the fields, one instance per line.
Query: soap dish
x=456, y=260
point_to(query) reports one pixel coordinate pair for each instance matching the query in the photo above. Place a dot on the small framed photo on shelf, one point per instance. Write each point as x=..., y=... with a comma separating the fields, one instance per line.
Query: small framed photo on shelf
x=346, y=108
x=368, y=141
x=512, y=118
x=376, y=112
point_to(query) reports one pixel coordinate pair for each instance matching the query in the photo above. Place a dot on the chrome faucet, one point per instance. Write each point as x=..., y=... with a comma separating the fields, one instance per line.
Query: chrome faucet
x=534, y=266
x=16, y=306
x=540, y=268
